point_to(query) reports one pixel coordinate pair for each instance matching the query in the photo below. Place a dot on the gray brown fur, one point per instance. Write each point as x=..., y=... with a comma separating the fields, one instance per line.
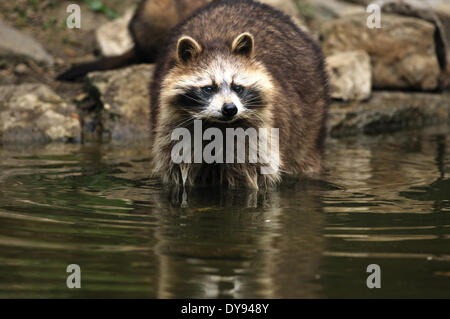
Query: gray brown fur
x=297, y=106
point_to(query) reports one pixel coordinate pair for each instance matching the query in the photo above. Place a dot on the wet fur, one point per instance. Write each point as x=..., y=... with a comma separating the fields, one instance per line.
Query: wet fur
x=296, y=101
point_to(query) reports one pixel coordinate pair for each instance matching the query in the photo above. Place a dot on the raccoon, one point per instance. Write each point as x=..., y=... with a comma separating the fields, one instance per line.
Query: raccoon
x=240, y=64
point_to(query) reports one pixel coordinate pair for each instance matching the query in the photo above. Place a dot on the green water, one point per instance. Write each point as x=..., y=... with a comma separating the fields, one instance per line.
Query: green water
x=384, y=200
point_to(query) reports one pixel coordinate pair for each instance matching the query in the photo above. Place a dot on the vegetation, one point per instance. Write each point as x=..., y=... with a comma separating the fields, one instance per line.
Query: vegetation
x=100, y=7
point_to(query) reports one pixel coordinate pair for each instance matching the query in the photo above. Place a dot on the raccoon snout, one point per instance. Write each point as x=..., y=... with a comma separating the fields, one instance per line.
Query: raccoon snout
x=229, y=110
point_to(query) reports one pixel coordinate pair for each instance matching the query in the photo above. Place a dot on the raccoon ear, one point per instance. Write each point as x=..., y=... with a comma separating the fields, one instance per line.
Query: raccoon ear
x=187, y=49
x=243, y=44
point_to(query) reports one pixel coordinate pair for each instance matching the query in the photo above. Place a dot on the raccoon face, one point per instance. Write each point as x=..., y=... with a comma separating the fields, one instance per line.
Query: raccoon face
x=218, y=85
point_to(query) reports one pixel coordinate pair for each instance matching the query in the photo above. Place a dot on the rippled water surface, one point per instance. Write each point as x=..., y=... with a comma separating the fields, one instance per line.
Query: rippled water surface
x=384, y=200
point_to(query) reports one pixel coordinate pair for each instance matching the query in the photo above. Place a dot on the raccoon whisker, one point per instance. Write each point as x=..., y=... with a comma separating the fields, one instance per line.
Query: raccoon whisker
x=194, y=99
x=253, y=102
x=201, y=113
x=254, y=105
x=185, y=121
x=253, y=98
x=256, y=114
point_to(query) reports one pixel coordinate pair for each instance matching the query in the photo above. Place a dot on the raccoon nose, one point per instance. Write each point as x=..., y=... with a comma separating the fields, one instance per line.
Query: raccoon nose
x=229, y=109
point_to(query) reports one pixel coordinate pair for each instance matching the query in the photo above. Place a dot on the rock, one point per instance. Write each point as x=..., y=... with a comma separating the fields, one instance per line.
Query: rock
x=428, y=11
x=124, y=95
x=431, y=3
x=331, y=9
x=15, y=43
x=21, y=69
x=434, y=11
x=388, y=111
x=287, y=6
x=113, y=37
x=442, y=10
x=402, y=52
x=318, y=11
x=290, y=8
x=350, y=75
x=361, y=2
x=34, y=113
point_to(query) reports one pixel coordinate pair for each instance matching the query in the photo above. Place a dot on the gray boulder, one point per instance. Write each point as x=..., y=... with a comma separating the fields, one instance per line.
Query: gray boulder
x=402, y=52
x=434, y=11
x=15, y=43
x=350, y=75
x=331, y=9
x=125, y=100
x=388, y=111
x=442, y=10
x=290, y=8
x=113, y=37
x=34, y=113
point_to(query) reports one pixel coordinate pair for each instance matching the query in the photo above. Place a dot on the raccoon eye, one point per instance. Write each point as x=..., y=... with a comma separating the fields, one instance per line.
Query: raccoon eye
x=237, y=88
x=208, y=90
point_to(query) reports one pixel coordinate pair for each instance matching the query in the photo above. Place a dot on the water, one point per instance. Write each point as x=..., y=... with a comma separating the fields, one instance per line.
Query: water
x=384, y=200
